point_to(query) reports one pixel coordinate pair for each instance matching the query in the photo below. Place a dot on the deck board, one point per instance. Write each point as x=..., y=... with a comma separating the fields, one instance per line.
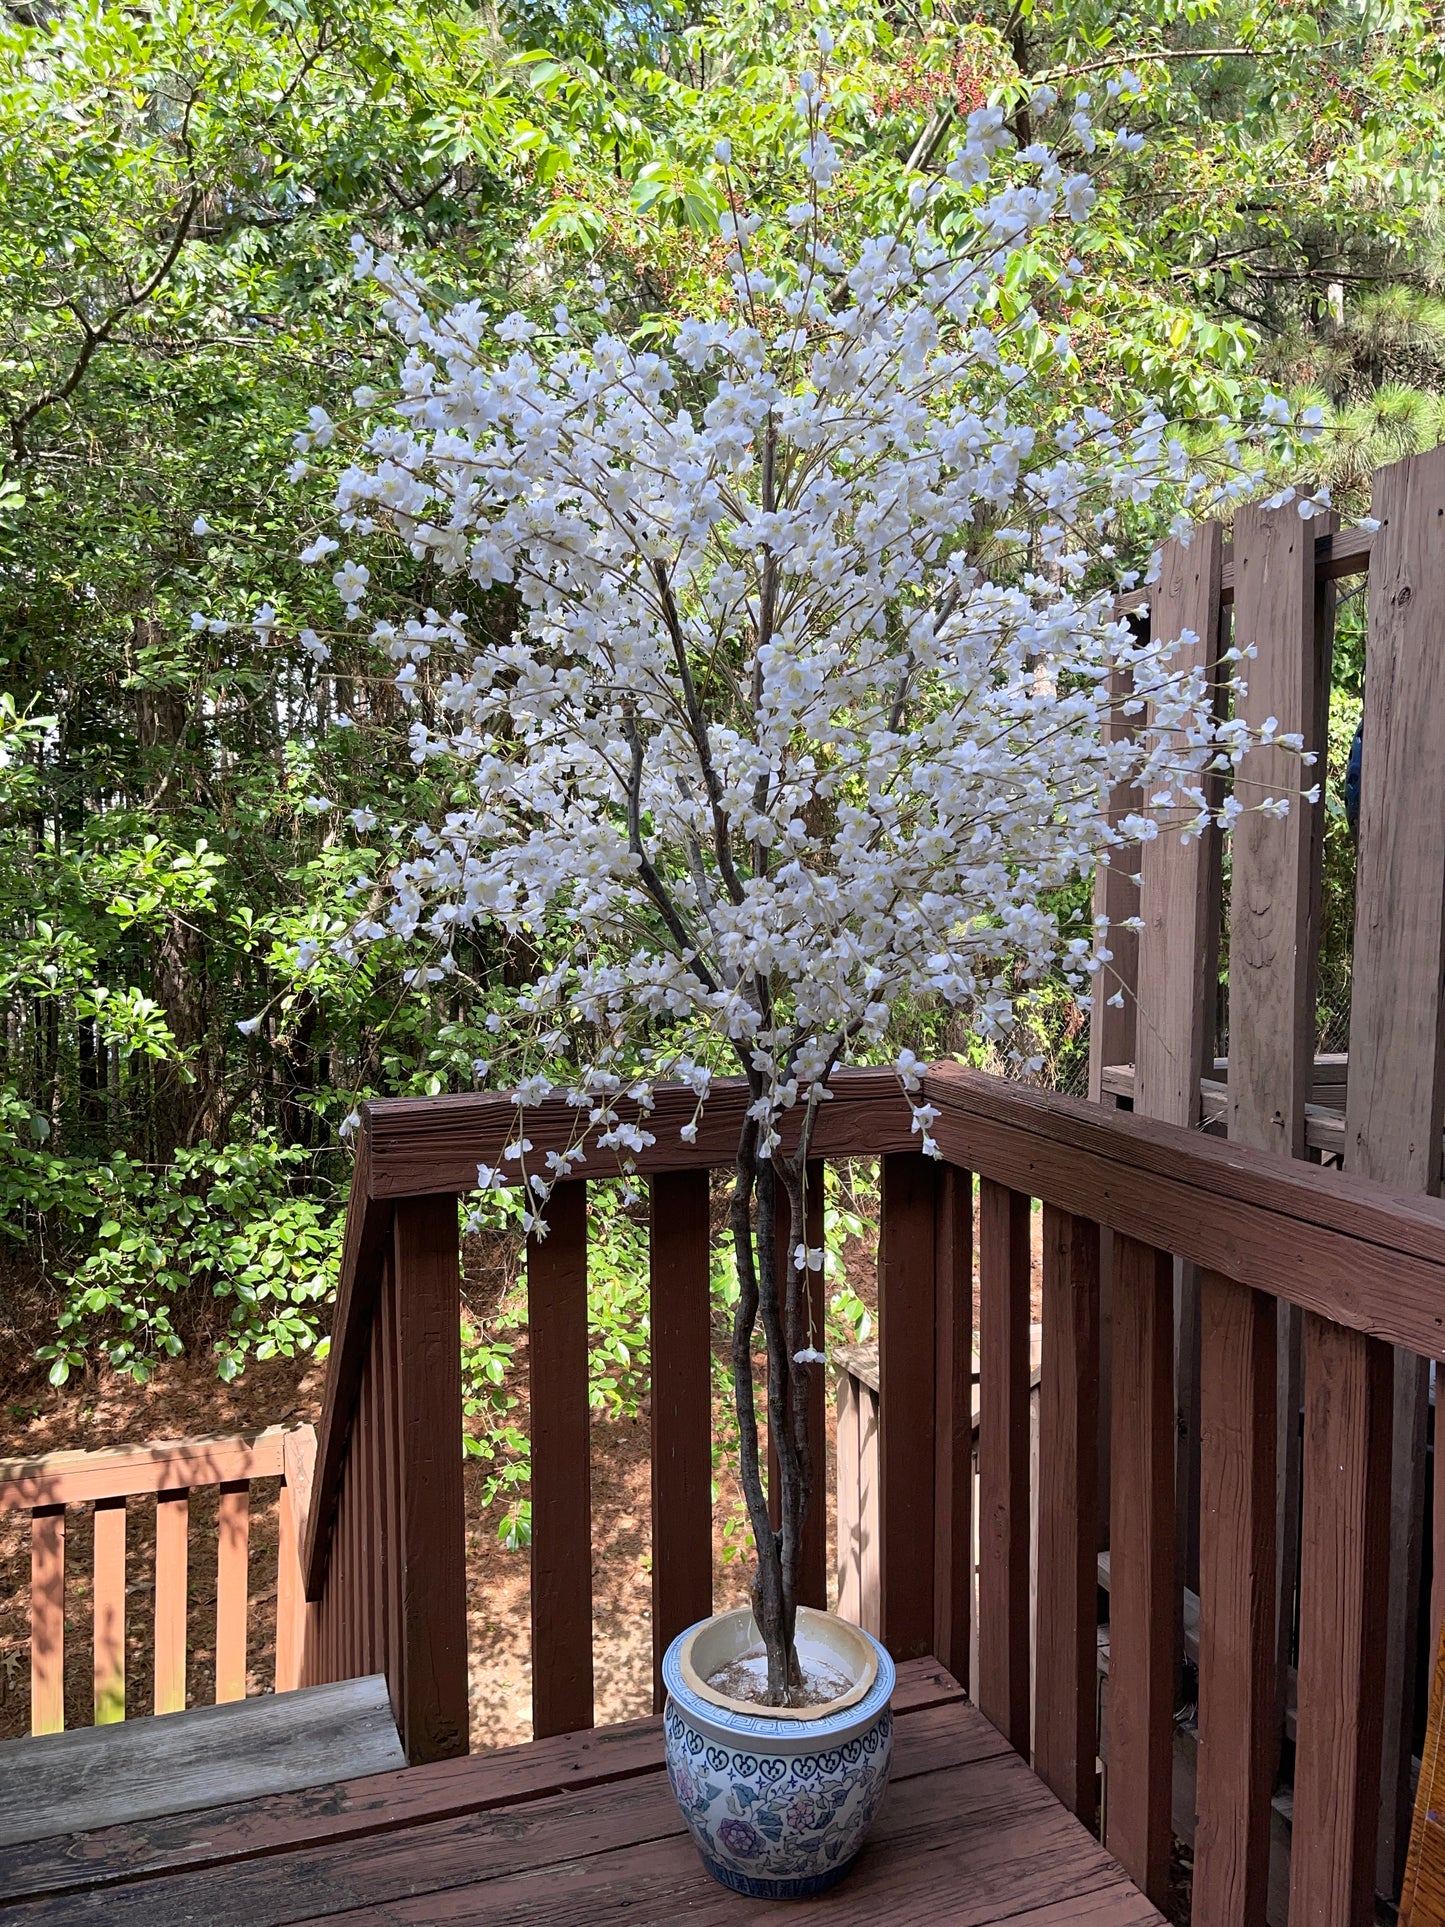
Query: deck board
x=583, y=1829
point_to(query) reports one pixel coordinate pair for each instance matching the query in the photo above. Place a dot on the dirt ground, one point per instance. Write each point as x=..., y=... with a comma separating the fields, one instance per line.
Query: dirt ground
x=185, y=1399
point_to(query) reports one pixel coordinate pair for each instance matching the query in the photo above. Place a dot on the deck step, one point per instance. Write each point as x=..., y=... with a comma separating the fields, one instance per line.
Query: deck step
x=210, y=1756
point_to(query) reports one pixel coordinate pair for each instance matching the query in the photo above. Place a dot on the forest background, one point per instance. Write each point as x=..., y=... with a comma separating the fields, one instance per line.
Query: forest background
x=190, y=801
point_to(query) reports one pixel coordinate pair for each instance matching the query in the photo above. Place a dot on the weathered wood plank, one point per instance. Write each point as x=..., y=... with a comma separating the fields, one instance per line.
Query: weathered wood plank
x=1066, y=1623
x=108, y=1612
x=1397, y=1009
x=1237, y=1705
x=1141, y=1560
x=905, y=1403
x=298, y=1464
x=681, y=1337
x=953, y=1422
x=1112, y=1026
x=128, y=1471
x=1003, y=1459
x=1343, y=1582
x=382, y=1802
x=47, y=1619
x=1363, y=1255
x=172, y=1537
x=233, y=1586
x=561, y=1468
x=431, y=1527
x=190, y=1762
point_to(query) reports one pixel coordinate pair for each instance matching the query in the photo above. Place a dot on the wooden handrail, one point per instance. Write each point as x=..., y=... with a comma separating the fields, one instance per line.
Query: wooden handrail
x=169, y=1470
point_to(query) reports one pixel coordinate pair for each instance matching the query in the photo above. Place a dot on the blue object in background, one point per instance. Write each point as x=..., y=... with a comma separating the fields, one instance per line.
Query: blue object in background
x=1352, y=781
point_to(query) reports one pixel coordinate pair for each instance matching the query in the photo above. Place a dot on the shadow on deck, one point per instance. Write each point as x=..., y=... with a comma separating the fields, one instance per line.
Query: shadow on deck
x=582, y=1829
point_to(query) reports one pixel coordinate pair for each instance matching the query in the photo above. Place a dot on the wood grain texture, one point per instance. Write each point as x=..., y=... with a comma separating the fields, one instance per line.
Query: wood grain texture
x=191, y=1762
x=1003, y=1458
x=108, y=1612
x=1368, y=1256
x=1112, y=1027
x=1236, y=1607
x=383, y=1802
x=1274, y=860
x=905, y=1403
x=1397, y=1014
x=1141, y=1556
x=813, y=1574
x=47, y=1619
x=233, y=1587
x=431, y=1526
x=1177, y=894
x=172, y=1560
x=1343, y=1598
x=681, y=1332
x=1065, y=1626
x=1422, y=1893
x=561, y=1468
x=1344, y=552
x=969, y=1838
x=292, y=1612
x=953, y=1421
x=128, y=1471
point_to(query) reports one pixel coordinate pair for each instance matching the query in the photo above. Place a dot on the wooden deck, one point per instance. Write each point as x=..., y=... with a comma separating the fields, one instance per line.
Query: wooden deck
x=582, y=1829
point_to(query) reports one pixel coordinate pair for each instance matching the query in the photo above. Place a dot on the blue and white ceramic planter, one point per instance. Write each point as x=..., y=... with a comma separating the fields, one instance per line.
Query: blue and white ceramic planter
x=778, y=1802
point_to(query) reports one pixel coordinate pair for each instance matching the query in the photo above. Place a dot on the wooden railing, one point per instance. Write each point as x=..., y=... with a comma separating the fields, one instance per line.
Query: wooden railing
x=50, y=1489
x=1122, y=1198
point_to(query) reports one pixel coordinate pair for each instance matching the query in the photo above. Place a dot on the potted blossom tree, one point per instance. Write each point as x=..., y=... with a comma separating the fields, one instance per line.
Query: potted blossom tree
x=802, y=721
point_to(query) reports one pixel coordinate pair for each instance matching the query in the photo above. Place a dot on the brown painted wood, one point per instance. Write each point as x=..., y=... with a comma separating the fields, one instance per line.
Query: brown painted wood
x=1422, y=1895
x=233, y=1585
x=1112, y=1028
x=561, y=1468
x=1003, y=1457
x=172, y=1528
x=1396, y=1099
x=375, y=1485
x=108, y=1615
x=813, y=1576
x=1341, y=553
x=905, y=1403
x=1364, y=1255
x=1141, y=1556
x=681, y=1327
x=1065, y=1739
x=384, y=1801
x=1343, y=1599
x=974, y=1840
x=47, y=1619
x=395, y=1648
x=953, y=1421
x=292, y=1612
x=431, y=1535
x=1237, y=1738
x=128, y=1471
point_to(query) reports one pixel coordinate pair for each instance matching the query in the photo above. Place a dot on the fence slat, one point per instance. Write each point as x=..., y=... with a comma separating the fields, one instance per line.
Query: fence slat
x=1003, y=1461
x=561, y=1468
x=1065, y=1633
x=1343, y=1596
x=1141, y=1561
x=813, y=1569
x=172, y=1531
x=432, y=1527
x=376, y=1574
x=233, y=1544
x=295, y=1617
x=1237, y=1701
x=905, y=1390
x=1394, y=1101
x=47, y=1619
x=108, y=1626
x=1116, y=896
x=681, y=1327
x=953, y=1422
x=849, y=1520
x=391, y=1502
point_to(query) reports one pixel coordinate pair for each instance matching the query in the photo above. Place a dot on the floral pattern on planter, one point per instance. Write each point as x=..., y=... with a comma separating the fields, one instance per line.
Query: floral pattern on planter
x=782, y=1824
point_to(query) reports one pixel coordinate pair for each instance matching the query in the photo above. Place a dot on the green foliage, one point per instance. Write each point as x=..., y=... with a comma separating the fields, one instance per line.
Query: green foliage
x=179, y=789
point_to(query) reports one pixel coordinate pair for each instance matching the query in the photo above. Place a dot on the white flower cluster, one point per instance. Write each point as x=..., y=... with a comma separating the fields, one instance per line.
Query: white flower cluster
x=804, y=718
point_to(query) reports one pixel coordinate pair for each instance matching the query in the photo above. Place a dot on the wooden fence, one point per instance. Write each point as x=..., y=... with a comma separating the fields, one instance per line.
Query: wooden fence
x=1380, y=1111
x=50, y=1489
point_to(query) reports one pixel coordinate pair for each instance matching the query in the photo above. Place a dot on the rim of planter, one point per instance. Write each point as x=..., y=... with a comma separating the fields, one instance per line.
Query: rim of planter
x=872, y=1668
